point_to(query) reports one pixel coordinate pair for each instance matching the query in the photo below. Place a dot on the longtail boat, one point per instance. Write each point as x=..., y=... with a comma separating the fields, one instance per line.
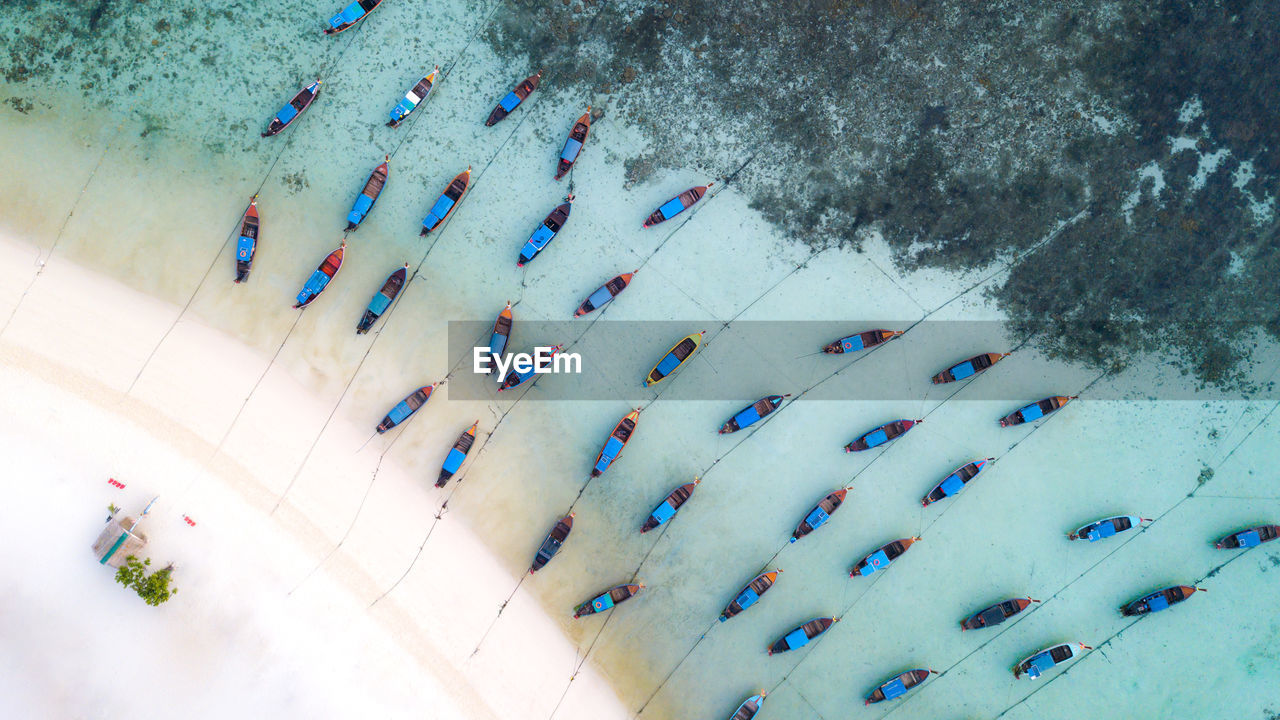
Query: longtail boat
x=417, y=94
x=513, y=99
x=350, y=16
x=247, y=245
x=968, y=368
x=618, y=439
x=320, y=279
x=820, y=514
x=368, y=196
x=406, y=408
x=749, y=707
x=380, y=302
x=881, y=435
x=1251, y=537
x=293, y=109
x=752, y=413
x=669, y=506
x=515, y=378
x=447, y=202
x=457, y=454
x=677, y=205
x=801, y=636
x=1106, y=527
x=1159, y=600
x=955, y=482
x=1035, y=410
x=675, y=357
x=750, y=594
x=861, y=341
x=573, y=144
x=997, y=613
x=551, y=545
x=498, y=338
x=1036, y=665
x=605, y=293
x=880, y=559
x=607, y=599
x=546, y=232
x=898, y=686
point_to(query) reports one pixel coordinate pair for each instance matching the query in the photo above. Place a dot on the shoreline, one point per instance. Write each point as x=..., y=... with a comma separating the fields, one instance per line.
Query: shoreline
x=465, y=581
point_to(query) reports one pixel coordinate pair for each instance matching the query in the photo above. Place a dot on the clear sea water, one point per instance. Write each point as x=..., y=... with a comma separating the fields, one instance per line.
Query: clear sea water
x=133, y=147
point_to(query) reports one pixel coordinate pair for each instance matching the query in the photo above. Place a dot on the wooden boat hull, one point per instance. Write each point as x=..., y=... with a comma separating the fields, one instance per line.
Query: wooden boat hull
x=350, y=16
x=380, y=302
x=321, y=278
x=293, y=109
x=412, y=99
x=968, y=368
x=618, y=439
x=882, y=435
x=675, y=358
x=750, y=594
x=752, y=413
x=820, y=514
x=512, y=100
x=749, y=707
x=499, y=337
x=607, y=600
x=952, y=484
x=1251, y=537
x=1035, y=411
x=799, y=637
x=516, y=378
x=996, y=614
x=604, y=294
x=898, y=686
x=447, y=202
x=883, y=557
x=677, y=205
x=406, y=408
x=457, y=455
x=247, y=243
x=552, y=544
x=368, y=196
x=573, y=144
x=546, y=232
x=1105, y=528
x=669, y=506
x=861, y=341
x=1158, y=600
x=1037, y=664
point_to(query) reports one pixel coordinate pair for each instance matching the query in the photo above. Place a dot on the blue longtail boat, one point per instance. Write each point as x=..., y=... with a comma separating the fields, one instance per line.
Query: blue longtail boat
x=882, y=435
x=618, y=440
x=801, y=636
x=457, y=454
x=898, y=685
x=880, y=559
x=861, y=341
x=380, y=302
x=605, y=293
x=406, y=407
x=247, y=244
x=321, y=278
x=750, y=594
x=670, y=506
x=1251, y=537
x=1159, y=600
x=753, y=413
x=997, y=613
x=820, y=514
x=968, y=368
x=546, y=232
x=350, y=16
x=675, y=358
x=552, y=544
x=512, y=100
x=1037, y=664
x=412, y=99
x=447, y=202
x=608, y=599
x=293, y=109
x=749, y=707
x=573, y=144
x=955, y=482
x=677, y=205
x=515, y=378
x=499, y=337
x=368, y=196
x=1035, y=410
x=1106, y=527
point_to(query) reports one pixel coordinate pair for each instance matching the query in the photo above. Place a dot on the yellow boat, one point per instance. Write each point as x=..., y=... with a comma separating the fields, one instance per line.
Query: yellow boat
x=674, y=358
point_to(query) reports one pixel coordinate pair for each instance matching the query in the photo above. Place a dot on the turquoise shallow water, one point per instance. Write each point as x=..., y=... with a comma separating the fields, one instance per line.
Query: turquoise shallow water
x=150, y=167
